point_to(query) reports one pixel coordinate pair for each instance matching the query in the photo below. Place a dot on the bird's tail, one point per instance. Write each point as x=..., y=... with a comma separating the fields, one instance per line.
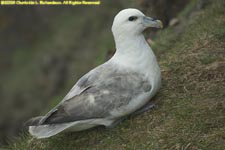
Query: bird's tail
x=39, y=130
x=48, y=130
x=33, y=121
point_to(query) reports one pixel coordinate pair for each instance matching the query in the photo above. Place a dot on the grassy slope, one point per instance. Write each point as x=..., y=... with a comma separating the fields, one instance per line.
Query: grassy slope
x=190, y=106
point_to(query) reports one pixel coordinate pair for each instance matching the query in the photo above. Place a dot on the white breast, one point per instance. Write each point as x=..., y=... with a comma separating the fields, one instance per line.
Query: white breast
x=140, y=58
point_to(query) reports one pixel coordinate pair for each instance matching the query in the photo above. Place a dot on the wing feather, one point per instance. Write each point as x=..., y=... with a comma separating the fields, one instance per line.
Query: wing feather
x=100, y=92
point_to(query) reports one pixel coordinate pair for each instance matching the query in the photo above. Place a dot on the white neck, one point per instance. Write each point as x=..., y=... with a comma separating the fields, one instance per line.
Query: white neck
x=134, y=52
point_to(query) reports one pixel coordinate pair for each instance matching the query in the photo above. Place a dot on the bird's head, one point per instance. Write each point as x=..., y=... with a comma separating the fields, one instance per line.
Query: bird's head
x=132, y=22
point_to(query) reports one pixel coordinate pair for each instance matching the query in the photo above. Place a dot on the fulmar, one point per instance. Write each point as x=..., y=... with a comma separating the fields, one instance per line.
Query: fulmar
x=112, y=91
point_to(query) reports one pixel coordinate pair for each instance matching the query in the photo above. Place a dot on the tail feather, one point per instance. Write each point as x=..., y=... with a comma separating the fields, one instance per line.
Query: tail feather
x=45, y=131
x=48, y=130
x=33, y=121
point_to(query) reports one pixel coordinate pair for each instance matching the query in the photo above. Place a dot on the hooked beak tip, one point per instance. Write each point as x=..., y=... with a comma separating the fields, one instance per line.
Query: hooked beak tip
x=160, y=23
x=150, y=22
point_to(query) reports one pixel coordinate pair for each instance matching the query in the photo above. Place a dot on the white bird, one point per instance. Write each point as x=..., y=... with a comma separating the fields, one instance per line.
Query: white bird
x=107, y=94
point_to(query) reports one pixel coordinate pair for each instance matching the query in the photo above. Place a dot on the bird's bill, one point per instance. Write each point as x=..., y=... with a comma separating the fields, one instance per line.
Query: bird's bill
x=150, y=22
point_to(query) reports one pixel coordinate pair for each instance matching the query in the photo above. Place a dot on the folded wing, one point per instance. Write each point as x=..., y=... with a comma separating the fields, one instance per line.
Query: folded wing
x=97, y=94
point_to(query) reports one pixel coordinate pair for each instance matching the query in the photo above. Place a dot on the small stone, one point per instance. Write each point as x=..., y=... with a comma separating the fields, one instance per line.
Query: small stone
x=174, y=22
x=150, y=41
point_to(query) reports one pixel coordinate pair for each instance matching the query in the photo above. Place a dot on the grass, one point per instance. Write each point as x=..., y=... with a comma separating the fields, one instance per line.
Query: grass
x=190, y=106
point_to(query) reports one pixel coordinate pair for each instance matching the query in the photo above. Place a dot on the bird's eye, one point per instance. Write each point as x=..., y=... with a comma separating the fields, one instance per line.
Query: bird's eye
x=132, y=18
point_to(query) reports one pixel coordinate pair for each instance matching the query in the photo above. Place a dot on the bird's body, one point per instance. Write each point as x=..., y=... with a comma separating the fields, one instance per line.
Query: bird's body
x=111, y=91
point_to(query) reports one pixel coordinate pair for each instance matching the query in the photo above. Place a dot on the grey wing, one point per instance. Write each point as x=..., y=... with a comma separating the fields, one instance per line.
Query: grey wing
x=86, y=81
x=82, y=85
x=97, y=101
